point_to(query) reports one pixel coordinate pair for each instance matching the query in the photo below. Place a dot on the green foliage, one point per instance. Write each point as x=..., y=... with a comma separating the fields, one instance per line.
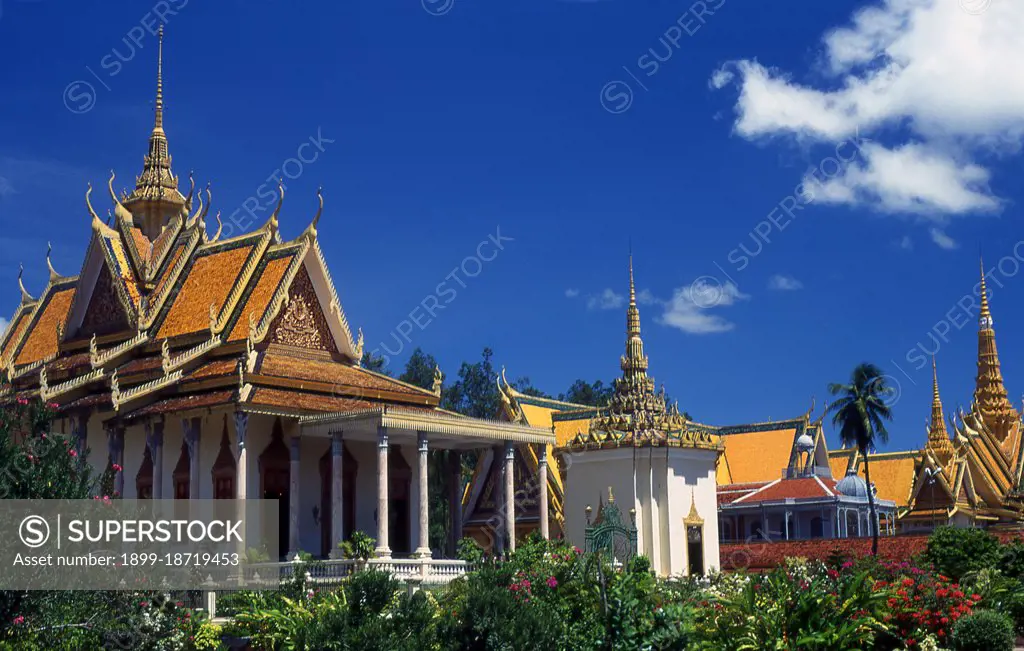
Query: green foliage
x=375, y=363
x=1011, y=562
x=359, y=546
x=984, y=630
x=419, y=369
x=470, y=552
x=955, y=551
x=806, y=607
x=583, y=393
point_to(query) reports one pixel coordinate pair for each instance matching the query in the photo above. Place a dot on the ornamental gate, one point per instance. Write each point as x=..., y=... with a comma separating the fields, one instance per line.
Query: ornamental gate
x=609, y=534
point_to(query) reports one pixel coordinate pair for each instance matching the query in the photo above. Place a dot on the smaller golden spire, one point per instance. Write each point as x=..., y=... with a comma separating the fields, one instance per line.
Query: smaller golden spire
x=938, y=439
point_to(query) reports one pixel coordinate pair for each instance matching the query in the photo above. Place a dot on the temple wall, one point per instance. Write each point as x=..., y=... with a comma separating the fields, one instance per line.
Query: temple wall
x=691, y=480
x=588, y=477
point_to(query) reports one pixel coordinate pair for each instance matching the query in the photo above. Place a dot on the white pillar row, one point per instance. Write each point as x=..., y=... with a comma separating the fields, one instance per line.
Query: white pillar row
x=293, y=497
x=115, y=452
x=191, y=427
x=423, y=550
x=510, y=491
x=542, y=477
x=155, y=443
x=383, y=549
x=337, y=499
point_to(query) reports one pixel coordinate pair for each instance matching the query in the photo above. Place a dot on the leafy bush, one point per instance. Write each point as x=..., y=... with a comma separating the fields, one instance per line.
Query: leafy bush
x=468, y=550
x=358, y=547
x=956, y=551
x=985, y=630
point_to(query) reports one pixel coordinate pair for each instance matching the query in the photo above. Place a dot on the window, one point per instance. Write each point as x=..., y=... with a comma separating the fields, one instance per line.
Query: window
x=695, y=549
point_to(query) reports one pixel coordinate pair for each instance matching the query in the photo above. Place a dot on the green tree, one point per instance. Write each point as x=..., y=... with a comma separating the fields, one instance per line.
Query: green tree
x=419, y=369
x=860, y=413
x=374, y=363
x=583, y=393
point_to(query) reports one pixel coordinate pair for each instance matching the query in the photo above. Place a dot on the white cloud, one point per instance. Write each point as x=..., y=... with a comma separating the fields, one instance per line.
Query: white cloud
x=572, y=293
x=942, y=240
x=784, y=283
x=690, y=307
x=906, y=243
x=606, y=300
x=947, y=80
x=6, y=189
x=646, y=297
x=3, y=326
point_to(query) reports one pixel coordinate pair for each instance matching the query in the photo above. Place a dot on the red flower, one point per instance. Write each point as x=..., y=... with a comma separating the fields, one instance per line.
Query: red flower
x=18, y=620
x=552, y=582
x=116, y=467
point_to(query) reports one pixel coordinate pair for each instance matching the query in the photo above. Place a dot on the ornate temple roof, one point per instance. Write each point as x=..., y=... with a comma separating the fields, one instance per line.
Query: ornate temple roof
x=637, y=416
x=165, y=317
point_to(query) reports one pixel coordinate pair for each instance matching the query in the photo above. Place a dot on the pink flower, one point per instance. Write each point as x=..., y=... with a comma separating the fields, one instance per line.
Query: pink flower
x=116, y=467
x=22, y=401
x=144, y=604
x=18, y=620
x=52, y=405
x=552, y=582
x=73, y=452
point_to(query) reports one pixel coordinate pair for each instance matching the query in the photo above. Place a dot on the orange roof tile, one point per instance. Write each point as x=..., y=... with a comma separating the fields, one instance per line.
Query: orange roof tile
x=755, y=456
x=15, y=331
x=566, y=430
x=305, y=401
x=184, y=403
x=142, y=243
x=42, y=342
x=209, y=282
x=259, y=298
x=215, y=368
x=839, y=461
x=892, y=474
x=350, y=380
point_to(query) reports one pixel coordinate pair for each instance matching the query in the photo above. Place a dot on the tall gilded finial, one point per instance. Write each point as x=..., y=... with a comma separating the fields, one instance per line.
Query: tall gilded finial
x=634, y=359
x=159, y=122
x=985, y=316
x=25, y=296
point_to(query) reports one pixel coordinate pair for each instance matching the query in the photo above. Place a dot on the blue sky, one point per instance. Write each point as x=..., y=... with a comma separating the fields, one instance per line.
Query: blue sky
x=862, y=154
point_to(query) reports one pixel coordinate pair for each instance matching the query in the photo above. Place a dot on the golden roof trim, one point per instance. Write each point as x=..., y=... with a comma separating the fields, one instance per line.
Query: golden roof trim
x=49, y=393
x=156, y=303
x=99, y=359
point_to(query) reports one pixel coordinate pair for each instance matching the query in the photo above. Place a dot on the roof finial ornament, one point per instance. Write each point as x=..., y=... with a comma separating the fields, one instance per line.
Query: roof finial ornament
x=25, y=296
x=54, y=276
x=360, y=342
x=191, y=192
x=319, y=211
x=438, y=381
x=159, y=106
x=220, y=228
x=985, y=316
x=272, y=223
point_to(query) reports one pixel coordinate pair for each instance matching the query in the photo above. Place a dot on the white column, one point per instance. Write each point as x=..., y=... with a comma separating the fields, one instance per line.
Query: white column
x=337, y=497
x=542, y=477
x=383, y=549
x=241, y=476
x=510, y=502
x=293, y=497
x=155, y=443
x=241, y=458
x=423, y=551
x=455, y=503
x=191, y=428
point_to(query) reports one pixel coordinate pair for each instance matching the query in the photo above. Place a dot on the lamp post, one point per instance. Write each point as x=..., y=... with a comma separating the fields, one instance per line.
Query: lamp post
x=929, y=477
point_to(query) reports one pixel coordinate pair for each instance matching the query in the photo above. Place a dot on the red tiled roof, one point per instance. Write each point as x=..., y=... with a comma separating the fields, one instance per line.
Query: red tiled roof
x=184, y=403
x=348, y=380
x=802, y=488
x=731, y=492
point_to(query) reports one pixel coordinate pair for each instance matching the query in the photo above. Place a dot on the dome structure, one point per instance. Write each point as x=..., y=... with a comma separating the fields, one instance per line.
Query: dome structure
x=852, y=486
x=804, y=442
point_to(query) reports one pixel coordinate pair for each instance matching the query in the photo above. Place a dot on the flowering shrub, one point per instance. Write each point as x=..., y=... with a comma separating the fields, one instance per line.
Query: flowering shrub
x=925, y=604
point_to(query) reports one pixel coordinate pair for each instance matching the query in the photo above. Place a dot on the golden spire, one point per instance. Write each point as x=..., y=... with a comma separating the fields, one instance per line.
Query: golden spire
x=156, y=198
x=938, y=439
x=990, y=396
x=634, y=362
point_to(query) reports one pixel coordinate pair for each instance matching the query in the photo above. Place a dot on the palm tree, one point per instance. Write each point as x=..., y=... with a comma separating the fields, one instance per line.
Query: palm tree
x=860, y=412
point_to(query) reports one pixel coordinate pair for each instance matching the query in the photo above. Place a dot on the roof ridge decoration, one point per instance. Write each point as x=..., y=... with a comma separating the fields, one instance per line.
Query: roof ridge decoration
x=48, y=393
x=99, y=359
x=280, y=296
x=435, y=388
x=156, y=303
x=54, y=276
x=311, y=229
x=335, y=305
x=511, y=406
x=26, y=298
x=637, y=416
